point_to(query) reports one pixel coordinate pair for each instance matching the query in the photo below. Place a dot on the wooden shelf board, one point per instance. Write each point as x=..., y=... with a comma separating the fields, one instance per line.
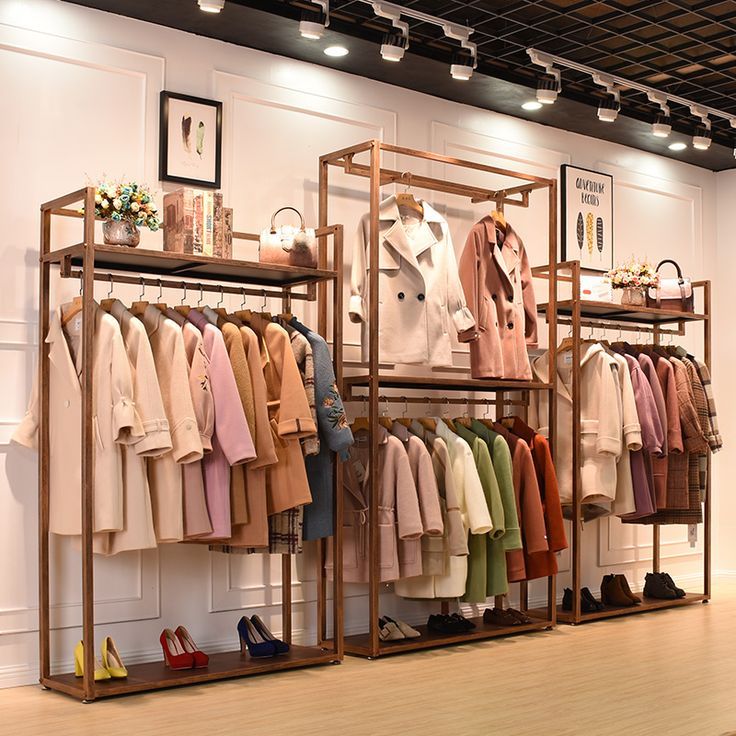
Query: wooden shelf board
x=142, y=260
x=624, y=313
x=155, y=675
x=430, y=383
x=647, y=605
x=359, y=644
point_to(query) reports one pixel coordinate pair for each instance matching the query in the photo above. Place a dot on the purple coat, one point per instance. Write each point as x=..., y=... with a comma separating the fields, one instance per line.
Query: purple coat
x=232, y=443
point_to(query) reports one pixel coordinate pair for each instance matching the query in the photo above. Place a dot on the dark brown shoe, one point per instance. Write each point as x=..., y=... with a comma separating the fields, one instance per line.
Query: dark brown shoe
x=612, y=594
x=625, y=587
x=521, y=617
x=499, y=617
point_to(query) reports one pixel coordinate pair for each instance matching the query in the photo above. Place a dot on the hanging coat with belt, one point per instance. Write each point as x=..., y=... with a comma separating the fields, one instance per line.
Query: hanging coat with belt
x=419, y=293
x=497, y=281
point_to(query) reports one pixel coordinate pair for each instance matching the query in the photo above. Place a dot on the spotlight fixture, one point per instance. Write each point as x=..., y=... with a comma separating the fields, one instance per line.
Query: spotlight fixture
x=336, y=51
x=702, y=137
x=396, y=42
x=211, y=6
x=531, y=105
x=466, y=60
x=662, y=126
x=677, y=146
x=549, y=84
x=611, y=103
x=314, y=22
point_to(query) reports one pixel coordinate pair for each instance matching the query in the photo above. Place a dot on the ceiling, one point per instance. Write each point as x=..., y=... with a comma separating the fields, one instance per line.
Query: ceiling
x=684, y=47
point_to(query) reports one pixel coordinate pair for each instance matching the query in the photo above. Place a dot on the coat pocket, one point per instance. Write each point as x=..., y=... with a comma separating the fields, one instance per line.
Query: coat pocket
x=387, y=539
x=98, y=434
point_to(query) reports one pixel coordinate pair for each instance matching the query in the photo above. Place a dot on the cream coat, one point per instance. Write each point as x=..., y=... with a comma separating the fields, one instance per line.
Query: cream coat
x=601, y=422
x=420, y=296
x=114, y=418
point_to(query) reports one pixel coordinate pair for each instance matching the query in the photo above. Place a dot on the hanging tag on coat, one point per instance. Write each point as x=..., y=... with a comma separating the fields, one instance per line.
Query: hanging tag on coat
x=692, y=534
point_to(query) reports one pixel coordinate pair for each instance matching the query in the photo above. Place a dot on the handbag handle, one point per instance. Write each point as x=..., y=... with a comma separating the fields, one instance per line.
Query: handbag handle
x=675, y=264
x=282, y=209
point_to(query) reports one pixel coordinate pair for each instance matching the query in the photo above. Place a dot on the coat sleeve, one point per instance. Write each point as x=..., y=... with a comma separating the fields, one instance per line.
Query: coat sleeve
x=692, y=434
x=492, y=492
x=631, y=425
x=556, y=537
x=675, y=445
x=532, y=513
x=502, y=468
x=477, y=514
x=358, y=274
x=652, y=433
x=231, y=428
x=200, y=389
x=457, y=538
x=127, y=427
x=461, y=316
x=468, y=275
x=408, y=516
x=530, y=301
x=608, y=441
x=26, y=433
x=429, y=496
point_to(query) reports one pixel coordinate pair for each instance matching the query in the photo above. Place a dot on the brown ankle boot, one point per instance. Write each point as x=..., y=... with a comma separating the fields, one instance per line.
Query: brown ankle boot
x=627, y=590
x=612, y=594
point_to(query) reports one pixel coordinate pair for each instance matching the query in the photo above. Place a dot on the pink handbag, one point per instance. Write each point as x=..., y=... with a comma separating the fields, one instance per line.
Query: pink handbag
x=288, y=245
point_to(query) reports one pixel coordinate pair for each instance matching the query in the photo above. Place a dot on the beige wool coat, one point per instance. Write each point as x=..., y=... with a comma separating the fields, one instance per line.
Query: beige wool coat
x=420, y=296
x=115, y=422
x=497, y=281
x=601, y=422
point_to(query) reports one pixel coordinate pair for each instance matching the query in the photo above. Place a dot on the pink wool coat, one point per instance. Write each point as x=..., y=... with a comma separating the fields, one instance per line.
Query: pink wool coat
x=497, y=281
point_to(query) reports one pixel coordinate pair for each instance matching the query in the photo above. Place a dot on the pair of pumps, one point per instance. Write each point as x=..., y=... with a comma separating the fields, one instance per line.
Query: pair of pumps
x=111, y=665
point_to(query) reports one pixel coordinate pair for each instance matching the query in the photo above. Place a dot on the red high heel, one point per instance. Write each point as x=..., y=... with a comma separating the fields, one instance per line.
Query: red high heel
x=200, y=658
x=174, y=655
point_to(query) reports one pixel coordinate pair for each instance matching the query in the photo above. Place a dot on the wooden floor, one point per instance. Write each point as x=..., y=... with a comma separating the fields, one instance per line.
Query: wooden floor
x=666, y=673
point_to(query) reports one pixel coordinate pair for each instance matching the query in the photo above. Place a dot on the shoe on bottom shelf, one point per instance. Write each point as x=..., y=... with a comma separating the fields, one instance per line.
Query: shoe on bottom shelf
x=588, y=603
x=389, y=631
x=445, y=624
x=252, y=640
x=655, y=586
x=464, y=624
x=500, y=617
x=111, y=659
x=280, y=646
x=521, y=617
x=403, y=627
x=666, y=577
x=100, y=672
x=200, y=658
x=613, y=594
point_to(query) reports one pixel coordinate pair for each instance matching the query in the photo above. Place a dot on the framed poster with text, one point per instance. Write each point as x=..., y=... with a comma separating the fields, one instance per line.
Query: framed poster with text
x=587, y=217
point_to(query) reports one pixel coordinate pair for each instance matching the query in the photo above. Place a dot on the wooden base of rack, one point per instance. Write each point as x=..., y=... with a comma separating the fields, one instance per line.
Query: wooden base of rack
x=647, y=604
x=155, y=675
x=359, y=644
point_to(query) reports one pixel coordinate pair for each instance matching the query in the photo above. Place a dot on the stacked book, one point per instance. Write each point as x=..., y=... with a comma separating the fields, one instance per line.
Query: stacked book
x=195, y=222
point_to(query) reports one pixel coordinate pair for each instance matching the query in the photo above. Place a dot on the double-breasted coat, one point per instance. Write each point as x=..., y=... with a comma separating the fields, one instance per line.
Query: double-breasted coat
x=419, y=293
x=497, y=281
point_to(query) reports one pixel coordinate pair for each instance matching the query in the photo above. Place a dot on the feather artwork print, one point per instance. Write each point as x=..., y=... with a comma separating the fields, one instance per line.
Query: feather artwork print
x=580, y=230
x=200, y=138
x=599, y=236
x=186, y=133
x=589, y=232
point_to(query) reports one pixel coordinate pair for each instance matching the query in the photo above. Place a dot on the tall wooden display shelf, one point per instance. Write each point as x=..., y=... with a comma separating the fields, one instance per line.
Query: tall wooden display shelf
x=90, y=261
x=579, y=313
x=504, y=392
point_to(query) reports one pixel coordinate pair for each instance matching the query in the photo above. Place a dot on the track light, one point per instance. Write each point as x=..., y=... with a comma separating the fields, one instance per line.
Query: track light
x=662, y=125
x=549, y=84
x=702, y=137
x=396, y=42
x=314, y=22
x=611, y=103
x=465, y=61
x=211, y=6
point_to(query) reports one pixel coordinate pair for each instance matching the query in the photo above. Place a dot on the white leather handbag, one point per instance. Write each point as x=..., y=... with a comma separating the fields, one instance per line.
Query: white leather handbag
x=288, y=245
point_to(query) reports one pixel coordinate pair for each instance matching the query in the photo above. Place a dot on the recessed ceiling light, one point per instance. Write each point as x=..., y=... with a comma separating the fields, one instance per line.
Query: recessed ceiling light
x=677, y=146
x=336, y=51
x=211, y=6
x=531, y=105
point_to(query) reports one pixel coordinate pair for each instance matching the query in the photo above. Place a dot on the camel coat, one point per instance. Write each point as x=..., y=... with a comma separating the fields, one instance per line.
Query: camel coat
x=170, y=359
x=497, y=281
x=115, y=423
x=601, y=418
x=196, y=516
x=420, y=296
x=443, y=559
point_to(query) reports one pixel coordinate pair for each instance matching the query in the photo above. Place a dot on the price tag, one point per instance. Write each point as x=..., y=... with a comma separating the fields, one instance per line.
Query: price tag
x=692, y=534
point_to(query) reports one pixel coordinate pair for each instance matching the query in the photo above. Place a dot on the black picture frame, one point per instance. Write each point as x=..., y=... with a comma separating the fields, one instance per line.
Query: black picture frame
x=164, y=173
x=569, y=251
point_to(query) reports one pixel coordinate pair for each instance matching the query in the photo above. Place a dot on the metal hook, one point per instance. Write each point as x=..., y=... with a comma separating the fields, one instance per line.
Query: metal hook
x=184, y=286
x=487, y=413
x=365, y=406
x=406, y=407
x=109, y=293
x=222, y=297
x=242, y=304
x=81, y=284
x=407, y=175
x=143, y=289
x=385, y=411
x=201, y=296
x=160, y=296
x=446, y=413
x=265, y=300
x=429, y=404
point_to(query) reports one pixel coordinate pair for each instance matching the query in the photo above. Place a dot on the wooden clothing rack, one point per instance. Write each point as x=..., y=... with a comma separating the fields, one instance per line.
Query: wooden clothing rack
x=578, y=312
x=94, y=262
x=373, y=381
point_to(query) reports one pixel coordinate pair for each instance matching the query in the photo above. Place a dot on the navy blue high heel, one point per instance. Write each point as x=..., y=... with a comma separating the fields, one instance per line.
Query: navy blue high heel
x=281, y=646
x=253, y=641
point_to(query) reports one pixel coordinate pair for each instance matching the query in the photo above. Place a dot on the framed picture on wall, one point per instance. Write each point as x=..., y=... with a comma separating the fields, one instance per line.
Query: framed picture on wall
x=190, y=140
x=587, y=217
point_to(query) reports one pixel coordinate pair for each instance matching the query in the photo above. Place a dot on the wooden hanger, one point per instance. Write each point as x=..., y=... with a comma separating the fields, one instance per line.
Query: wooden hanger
x=428, y=423
x=74, y=308
x=565, y=345
x=386, y=422
x=498, y=217
x=406, y=198
x=160, y=304
x=403, y=419
x=107, y=303
x=360, y=423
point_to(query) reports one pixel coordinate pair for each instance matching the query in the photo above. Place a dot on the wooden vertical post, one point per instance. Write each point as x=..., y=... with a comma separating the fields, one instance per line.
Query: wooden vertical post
x=656, y=537
x=552, y=352
x=373, y=390
x=576, y=439
x=44, y=624
x=708, y=507
x=88, y=444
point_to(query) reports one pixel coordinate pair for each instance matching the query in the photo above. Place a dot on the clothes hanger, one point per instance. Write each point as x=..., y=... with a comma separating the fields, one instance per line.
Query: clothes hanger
x=361, y=423
x=403, y=419
x=160, y=304
x=244, y=314
x=446, y=416
x=406, y=198
x=385, y=420
x=182, y=308
x=464, y=420
x=74, y=307
x=567, y=343
x=137, y=308
x=107, y=303
x=498, y=217
x=264, y=314
x=219, y=309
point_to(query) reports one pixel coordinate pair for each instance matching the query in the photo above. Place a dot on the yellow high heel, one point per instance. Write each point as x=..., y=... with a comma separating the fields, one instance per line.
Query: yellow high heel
x=111, y=659
x=100, y=672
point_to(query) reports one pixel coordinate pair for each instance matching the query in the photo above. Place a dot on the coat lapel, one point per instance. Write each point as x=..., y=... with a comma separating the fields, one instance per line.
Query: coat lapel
x=59, y=353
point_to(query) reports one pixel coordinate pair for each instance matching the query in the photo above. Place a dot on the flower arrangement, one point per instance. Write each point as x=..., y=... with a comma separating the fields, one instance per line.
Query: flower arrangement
x=131, y=202
x=633, y=275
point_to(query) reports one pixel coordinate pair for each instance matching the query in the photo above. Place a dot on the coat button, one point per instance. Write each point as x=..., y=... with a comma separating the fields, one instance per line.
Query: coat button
x=494, y=297
x=67, y=403
x=511, y=297
x=420, y=296
x=401, y=296
x=510, y=325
